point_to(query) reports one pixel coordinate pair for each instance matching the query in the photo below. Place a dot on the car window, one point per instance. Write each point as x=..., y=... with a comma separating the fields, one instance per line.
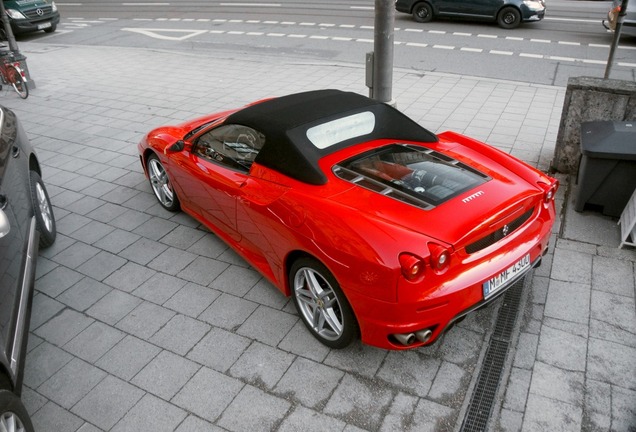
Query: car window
x=421, y=173
x=234, y=146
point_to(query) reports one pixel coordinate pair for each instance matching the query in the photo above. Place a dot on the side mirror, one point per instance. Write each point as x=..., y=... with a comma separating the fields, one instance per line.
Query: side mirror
x=177, y=147
x=5, y=227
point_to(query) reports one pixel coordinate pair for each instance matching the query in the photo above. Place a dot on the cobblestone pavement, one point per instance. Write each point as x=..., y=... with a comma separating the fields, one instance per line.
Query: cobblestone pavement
x=144, y=321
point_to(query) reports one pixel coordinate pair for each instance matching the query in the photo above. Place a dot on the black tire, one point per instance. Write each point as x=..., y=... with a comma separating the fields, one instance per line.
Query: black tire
x=161, y=185
x=43, y=210
x=19, y=85
x=13, y=415
x=422, y=12
x=509, y=18
x=321, y=304
x=51, y=29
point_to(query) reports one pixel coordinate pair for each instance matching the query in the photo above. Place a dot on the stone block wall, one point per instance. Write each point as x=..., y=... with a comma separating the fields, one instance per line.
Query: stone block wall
x=589, y=99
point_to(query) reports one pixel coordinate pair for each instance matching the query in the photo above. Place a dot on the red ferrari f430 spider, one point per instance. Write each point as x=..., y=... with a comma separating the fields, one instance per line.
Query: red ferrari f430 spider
x=376, y=227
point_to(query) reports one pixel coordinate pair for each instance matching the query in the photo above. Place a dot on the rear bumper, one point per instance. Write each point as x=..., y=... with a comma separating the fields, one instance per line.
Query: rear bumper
x=444, y=305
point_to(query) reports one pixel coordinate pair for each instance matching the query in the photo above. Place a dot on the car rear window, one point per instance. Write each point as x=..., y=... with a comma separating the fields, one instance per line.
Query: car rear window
x=336, y=131
x=416, y=174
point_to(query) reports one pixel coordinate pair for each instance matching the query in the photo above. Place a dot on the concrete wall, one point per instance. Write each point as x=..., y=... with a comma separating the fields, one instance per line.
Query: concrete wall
x=588, y=99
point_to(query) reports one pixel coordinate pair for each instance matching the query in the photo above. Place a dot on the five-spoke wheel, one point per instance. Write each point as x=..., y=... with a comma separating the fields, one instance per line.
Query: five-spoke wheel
x=322, y=306
x=161, y=185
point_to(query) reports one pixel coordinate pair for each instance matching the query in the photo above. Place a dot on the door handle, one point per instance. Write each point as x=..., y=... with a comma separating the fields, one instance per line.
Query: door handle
x=15, y=151
x=3, y=201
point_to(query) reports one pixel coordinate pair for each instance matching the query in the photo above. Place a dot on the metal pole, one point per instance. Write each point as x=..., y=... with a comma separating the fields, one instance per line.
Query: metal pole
x=617, y=35
x=13, y=45
x=383, y=50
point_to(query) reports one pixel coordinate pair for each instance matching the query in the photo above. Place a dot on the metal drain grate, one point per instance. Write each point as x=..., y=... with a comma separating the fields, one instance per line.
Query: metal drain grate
x=485, y=391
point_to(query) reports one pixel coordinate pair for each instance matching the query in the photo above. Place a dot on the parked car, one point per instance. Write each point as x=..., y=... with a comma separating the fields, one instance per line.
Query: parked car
x=507, y=13
x=31, y=15
x=26, y=223
x=629, y=23
x=374, y=225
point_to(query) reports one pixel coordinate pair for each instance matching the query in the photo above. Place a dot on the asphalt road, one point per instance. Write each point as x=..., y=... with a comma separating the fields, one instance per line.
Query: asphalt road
x=570, y=41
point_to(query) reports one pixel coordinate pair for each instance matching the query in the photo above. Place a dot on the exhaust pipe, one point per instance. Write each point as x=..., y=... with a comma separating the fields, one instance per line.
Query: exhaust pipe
x=405, y=338
x=423, y=335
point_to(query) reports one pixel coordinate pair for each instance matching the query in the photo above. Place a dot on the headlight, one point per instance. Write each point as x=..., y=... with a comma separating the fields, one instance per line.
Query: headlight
x=533, y=5
x=15, y=14
x=53, y=7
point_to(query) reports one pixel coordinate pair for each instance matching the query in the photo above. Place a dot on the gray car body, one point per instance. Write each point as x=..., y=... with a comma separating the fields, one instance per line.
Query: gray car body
x=18, y=247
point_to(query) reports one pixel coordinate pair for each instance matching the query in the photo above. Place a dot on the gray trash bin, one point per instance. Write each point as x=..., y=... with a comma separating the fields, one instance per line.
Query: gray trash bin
x=607, y=174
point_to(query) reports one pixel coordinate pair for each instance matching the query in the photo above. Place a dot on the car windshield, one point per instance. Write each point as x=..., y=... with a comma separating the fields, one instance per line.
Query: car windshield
x=418, y=172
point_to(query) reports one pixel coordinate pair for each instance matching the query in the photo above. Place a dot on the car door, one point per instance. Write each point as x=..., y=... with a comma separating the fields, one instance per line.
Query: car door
x=15, y=207
x=468, y=7
x=218, y=165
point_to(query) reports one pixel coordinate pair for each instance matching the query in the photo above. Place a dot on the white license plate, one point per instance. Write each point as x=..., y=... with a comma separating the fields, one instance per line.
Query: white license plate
x=44, y=26
x=502, y=279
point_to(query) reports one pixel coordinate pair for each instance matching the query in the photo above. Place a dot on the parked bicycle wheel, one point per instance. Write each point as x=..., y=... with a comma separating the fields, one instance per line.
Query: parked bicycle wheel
x=19, y=85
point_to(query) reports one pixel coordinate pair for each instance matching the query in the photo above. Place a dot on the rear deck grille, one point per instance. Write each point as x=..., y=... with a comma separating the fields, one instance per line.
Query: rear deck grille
x=494, y=237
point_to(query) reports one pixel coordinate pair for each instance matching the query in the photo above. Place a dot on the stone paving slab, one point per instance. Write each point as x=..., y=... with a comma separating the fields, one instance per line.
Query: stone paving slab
x=143, y=320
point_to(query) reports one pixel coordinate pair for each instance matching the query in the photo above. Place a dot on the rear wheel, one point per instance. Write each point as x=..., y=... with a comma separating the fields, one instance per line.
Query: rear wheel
x=509, y=18
x=161, y=185
x=44, y=218
x=422, y=12
x=321, y=303
x=13, y=415
x=19, y=85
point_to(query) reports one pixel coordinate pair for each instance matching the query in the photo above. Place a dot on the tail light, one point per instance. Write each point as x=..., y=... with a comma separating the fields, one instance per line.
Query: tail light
x=550, y=191
x=440, y=256
x=412, y=266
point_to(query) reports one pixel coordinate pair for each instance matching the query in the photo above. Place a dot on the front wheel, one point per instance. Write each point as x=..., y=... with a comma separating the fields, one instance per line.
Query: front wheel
x=509, y=18
x=51, y=29
x=321, y=303
x=44, y=218
x=161, y=185
x=13, y=415
x=422, y=12
x=19, y=85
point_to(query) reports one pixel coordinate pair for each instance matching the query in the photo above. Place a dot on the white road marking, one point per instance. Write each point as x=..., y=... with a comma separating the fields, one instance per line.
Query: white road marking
x=156, y=33
x=145, y=4
x=252, y=4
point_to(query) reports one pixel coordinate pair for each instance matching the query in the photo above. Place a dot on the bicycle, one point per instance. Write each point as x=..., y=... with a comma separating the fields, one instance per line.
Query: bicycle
x=12, y=73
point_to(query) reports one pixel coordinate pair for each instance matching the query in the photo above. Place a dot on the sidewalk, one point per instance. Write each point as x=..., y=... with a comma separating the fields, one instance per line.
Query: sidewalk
x=144, y=321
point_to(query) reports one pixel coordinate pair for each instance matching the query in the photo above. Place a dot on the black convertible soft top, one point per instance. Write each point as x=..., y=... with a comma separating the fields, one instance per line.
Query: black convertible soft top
x=284, y=122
